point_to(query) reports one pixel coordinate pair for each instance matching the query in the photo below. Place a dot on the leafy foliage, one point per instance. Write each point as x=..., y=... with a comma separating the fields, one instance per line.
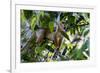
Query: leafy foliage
x=54, y=36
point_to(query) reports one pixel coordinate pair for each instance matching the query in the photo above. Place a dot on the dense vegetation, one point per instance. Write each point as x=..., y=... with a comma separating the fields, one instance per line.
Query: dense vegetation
x=54, y=36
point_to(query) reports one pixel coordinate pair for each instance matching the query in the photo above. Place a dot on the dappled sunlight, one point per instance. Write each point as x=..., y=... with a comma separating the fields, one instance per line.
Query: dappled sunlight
x=49, y=36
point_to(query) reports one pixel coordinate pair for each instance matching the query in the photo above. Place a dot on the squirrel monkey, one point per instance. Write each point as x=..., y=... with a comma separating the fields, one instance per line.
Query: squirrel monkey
x=56, y=36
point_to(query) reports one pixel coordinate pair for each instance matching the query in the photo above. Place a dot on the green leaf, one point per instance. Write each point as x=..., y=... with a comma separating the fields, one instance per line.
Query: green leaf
x=51, y=26
x=65, y=35
x=71, y=19
x=40, y=48
x=85, y=45
x=79, y=54
x=22, y=17
x=44, y=20
x=86, y=32
x=33, y=22
x=50, y=48
x=28, y=13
